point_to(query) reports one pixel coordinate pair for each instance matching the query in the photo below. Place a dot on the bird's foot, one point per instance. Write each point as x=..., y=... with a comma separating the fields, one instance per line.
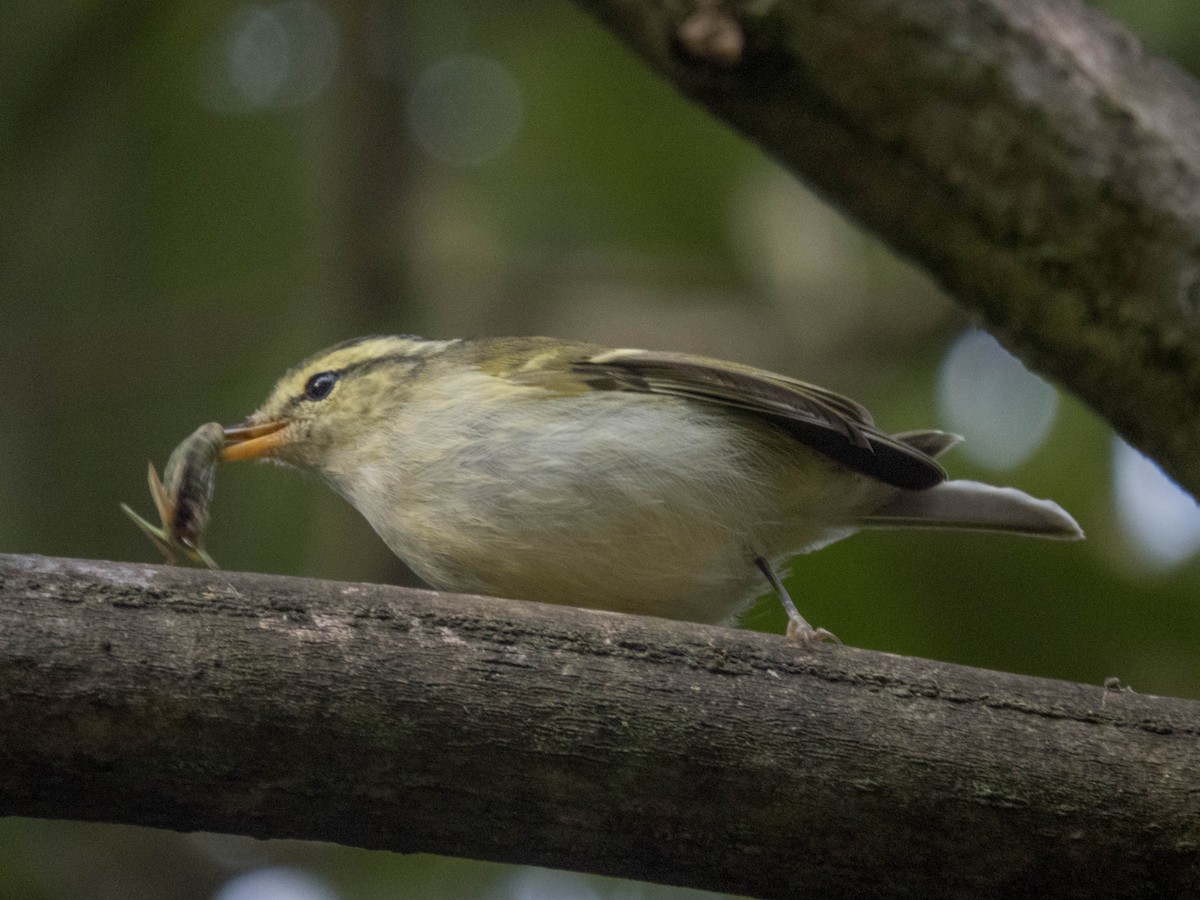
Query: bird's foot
x=800, y=632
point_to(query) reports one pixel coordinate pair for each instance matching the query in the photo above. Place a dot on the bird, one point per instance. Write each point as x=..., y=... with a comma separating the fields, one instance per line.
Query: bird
x=644, y=482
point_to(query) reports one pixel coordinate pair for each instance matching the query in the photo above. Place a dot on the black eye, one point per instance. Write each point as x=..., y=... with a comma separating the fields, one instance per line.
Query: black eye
x=319, y=386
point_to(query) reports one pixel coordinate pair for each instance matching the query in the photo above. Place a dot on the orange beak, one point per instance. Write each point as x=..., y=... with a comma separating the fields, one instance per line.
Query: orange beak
x=253, y=441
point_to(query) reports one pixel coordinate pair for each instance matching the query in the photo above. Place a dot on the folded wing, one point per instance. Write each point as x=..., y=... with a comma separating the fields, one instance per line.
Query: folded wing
x=827, y=422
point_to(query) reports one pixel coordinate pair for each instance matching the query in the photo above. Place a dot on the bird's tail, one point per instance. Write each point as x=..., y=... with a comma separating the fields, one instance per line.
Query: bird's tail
x=972, y=506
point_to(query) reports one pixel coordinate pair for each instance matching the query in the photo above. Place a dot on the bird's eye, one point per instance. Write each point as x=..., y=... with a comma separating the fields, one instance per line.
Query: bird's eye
x=319, y=386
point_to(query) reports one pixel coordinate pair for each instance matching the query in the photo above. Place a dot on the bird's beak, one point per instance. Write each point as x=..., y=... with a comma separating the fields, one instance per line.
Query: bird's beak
x=253, y=441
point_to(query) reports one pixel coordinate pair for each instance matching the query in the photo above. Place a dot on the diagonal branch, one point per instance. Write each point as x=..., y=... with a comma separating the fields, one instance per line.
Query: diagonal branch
x=1032, y=156
x=412, y=721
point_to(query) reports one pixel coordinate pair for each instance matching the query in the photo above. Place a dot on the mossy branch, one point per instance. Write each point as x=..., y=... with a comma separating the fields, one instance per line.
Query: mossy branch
x=1032, y=156
x=389, y=718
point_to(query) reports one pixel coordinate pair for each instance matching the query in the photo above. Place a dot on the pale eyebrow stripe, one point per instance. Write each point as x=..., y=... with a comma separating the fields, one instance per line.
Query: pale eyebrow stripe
x=358, y=368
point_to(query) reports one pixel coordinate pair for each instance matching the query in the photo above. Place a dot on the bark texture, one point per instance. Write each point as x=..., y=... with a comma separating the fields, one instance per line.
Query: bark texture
x=407, y=720
x=1032, y=156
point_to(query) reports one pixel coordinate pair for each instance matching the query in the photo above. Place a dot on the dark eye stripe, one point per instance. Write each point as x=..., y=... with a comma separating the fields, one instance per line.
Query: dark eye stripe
x=313, y=391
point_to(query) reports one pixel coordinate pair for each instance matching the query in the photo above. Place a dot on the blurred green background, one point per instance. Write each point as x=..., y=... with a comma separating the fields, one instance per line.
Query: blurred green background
x=195, y=196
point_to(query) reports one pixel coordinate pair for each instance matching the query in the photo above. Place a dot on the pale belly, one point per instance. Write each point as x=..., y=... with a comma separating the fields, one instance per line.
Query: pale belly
x=647, y=507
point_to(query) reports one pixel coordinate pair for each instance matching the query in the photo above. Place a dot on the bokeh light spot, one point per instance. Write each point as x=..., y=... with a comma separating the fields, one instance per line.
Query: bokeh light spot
x=258, y=57
x=271, y=57
x=1002, y=409
x=465, y=110
x=530, y=883
x=276, y=883
x=1160, y=521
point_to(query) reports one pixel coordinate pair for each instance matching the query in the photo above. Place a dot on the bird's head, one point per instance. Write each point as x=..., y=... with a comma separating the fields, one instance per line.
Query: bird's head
x=332, y=403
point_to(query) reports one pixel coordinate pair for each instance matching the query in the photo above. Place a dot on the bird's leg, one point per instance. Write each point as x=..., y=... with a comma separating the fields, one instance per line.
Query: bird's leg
x=798, y=629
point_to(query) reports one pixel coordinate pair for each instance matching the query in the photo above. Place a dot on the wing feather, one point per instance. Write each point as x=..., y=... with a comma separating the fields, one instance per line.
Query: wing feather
x=827, y=422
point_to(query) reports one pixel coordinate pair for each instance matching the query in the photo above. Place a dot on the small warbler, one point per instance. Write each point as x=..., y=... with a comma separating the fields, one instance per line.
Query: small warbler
x=662, y=484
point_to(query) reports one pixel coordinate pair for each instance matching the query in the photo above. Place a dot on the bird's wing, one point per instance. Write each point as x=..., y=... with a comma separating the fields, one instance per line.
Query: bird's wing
x=827, y=422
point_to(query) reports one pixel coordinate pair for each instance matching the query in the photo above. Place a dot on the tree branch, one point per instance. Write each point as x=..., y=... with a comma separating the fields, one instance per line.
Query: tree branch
x=390, y=718
x=1032, y=156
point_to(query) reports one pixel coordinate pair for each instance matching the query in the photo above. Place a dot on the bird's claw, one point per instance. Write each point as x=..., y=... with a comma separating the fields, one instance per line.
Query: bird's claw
x=800, y=632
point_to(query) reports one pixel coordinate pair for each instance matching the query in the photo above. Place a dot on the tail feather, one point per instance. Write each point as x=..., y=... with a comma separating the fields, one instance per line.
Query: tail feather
x=972, y=506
